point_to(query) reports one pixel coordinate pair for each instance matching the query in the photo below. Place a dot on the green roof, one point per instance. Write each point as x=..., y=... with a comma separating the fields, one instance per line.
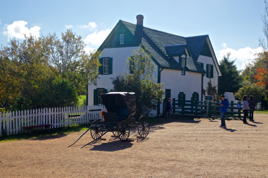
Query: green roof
x=161, y=46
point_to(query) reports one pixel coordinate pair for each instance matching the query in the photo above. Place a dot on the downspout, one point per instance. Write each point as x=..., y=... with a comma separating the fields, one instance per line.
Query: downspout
x=159, y=81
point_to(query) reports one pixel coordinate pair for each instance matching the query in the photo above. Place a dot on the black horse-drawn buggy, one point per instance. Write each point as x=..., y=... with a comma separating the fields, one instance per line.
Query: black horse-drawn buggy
x=119, y=118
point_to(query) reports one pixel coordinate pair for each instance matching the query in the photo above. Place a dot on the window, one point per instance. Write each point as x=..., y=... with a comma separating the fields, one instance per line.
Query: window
x=106, y=67
x=167, y=93
x=209, y=71
x=121, y=39
x=97, y=95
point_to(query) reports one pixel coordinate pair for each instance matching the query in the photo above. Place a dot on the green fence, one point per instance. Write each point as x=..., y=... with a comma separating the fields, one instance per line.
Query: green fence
x=190, y=107
x=234, y=109
x=204, y=108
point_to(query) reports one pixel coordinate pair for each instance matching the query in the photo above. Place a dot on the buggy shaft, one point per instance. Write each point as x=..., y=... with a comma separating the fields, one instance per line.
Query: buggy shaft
x=96, y=138
x=79, y=137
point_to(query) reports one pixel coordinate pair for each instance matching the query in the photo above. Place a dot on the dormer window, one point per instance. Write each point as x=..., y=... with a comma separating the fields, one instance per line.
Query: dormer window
x=121, y=39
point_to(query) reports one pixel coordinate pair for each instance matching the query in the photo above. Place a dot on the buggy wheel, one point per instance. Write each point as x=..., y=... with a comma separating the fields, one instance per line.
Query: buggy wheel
x=116, y=133
x=123, y=131
x=143, y=126
x=95, y=132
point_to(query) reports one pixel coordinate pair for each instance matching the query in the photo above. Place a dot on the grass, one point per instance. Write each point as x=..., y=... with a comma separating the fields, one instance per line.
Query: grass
x=56, y=132
x=261, y=112
x=81, y=99
x=43, y=133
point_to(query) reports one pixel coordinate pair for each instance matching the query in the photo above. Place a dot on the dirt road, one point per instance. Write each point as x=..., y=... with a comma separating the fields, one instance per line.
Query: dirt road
x=177, y=148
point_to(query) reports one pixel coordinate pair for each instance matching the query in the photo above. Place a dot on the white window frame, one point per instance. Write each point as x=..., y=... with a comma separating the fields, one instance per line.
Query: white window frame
x=121, y=38
x=105, y=64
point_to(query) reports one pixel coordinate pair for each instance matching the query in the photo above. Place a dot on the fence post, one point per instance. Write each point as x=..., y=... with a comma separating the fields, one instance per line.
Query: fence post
x=182, y=107
x=209, y=108
x=196, y=108
x=173, y=103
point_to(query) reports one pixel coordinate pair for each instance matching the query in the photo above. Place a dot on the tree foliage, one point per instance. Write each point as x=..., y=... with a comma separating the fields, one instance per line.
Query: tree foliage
x=230, y=81
x=211, y=90
x=139, y=78
x=34, y=69
x=251, y=89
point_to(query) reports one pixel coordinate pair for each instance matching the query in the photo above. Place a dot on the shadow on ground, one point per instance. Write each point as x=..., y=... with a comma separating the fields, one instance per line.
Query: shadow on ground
x=113, y=146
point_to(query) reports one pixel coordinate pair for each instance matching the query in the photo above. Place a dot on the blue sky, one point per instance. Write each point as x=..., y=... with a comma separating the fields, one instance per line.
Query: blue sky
x=233, y=25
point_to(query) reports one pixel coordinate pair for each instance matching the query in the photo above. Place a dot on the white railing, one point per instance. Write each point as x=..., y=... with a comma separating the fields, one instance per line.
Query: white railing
x=13, y=122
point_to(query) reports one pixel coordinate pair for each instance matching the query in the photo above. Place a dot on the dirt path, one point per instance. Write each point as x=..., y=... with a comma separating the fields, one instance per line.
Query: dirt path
x=181, y=148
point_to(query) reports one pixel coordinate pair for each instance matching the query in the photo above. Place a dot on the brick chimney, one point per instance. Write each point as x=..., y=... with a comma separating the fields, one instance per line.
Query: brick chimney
x=139, y=19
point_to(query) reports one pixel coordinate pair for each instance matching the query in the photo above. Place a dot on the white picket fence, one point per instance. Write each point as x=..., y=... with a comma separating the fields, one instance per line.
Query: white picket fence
x=13, y=122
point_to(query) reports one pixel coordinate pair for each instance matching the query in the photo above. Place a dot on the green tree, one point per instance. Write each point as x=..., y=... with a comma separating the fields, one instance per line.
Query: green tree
x=139, y=78
x=230, y=81
x=30, y=67
x=211, y=90
x=251, y=89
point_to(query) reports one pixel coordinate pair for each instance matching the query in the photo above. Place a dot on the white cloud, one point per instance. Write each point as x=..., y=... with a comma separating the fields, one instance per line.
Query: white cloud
x=91, y=26
x=69, y=26
x=241, y=56
x=18, y=29
x=94, y=40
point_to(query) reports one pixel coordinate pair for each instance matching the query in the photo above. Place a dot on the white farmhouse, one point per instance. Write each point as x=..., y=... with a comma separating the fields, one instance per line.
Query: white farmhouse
x=183, y=64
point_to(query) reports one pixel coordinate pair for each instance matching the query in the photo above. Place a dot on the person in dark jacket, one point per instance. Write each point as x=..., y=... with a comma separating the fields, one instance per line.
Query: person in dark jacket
x=251, y=104
x=168, y=108
x=245, y=109
x=224, y=103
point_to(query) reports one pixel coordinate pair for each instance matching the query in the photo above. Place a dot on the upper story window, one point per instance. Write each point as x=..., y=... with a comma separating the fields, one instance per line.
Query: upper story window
x=121, y=39
x=209, y=69
x=106, y=67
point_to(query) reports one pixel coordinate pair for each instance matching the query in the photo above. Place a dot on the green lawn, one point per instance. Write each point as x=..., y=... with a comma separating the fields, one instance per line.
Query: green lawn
x=81, y=99
x=261, y=112
x=43, y=133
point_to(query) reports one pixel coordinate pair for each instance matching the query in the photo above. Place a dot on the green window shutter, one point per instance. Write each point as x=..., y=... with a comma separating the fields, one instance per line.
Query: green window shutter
x=105, y=91
x=202, y=65
x=211, y=74
x=101, y=67
x=168, y=93
x=95, y=97
x=110, y=65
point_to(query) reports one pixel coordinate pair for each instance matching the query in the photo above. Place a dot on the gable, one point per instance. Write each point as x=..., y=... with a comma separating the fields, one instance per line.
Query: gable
x=113, y=39
x=161, y=46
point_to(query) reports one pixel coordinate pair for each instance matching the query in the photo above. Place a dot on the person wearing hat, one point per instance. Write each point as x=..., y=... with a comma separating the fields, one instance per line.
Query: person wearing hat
x=168, y=108
x=224, y=103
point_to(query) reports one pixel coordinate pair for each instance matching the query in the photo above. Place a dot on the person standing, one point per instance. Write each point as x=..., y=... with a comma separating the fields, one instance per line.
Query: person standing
x=224, y=103
x=168, y=108
x=251, y=104
x=245, y=109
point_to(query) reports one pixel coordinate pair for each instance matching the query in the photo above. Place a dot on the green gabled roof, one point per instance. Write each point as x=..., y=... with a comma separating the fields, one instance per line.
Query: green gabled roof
x=196, y=44
x=192, y=65
x=156, y=41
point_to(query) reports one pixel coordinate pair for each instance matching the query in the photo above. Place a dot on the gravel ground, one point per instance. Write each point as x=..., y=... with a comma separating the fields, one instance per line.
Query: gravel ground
x=175, y=148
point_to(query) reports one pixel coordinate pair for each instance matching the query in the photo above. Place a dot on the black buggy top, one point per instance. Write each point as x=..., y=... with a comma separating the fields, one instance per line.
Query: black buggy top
x=121, y=107
x=121, y=103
